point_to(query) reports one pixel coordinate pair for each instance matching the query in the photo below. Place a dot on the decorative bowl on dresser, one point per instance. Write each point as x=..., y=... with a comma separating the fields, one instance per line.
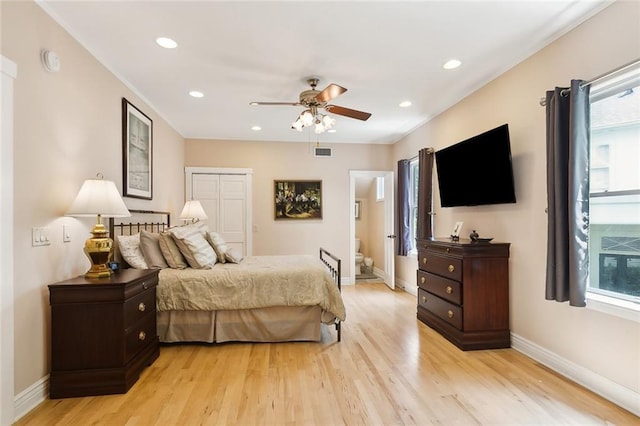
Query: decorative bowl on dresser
x=463, y=291
x=103, y=332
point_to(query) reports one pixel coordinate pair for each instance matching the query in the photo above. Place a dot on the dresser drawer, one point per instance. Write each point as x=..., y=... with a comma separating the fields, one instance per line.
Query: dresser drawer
x=138, y=306
x=445, y=266
x=140, y=335
x=140, y=286
x=449, y=290
x=441, y=308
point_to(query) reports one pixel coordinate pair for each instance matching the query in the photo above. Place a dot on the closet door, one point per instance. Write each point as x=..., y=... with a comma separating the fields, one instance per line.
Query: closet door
x=224, y=199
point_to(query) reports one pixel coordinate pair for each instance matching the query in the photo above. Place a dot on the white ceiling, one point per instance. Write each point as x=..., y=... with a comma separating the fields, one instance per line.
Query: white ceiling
x=236, y=52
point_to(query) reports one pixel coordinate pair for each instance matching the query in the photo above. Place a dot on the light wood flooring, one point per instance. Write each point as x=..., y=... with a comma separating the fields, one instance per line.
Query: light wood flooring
x=389, y=369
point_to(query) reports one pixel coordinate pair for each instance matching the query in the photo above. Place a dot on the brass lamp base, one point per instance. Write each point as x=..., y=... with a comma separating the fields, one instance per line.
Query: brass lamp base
x=99, y=251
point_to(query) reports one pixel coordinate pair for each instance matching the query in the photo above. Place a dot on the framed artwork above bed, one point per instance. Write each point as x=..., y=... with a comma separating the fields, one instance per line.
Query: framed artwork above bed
x=298, y=199
x=137, y=152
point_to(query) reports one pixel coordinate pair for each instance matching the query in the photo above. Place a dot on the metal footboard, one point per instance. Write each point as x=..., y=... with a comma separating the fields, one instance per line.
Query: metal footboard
x=333, y=264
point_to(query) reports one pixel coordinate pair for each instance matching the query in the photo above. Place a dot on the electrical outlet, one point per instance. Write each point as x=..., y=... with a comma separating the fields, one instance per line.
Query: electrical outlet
x=66, y=234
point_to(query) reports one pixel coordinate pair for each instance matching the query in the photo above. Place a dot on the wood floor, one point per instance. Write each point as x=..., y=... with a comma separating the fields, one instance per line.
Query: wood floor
x=389, y=369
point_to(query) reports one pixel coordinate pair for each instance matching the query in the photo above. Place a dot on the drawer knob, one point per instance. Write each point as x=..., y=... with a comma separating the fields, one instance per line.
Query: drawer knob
x=141, y=307
x=142, y=335
x=448, y=250
x=144, y=285
x=450, y=313
x=424, y=299
x=449, y=290
x=424, y=260
x=451, y=268
x=422, y=280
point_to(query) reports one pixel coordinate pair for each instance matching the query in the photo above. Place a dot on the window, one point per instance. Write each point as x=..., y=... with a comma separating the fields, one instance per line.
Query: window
x=380, y=188
x=614, y=180
x=414, y=178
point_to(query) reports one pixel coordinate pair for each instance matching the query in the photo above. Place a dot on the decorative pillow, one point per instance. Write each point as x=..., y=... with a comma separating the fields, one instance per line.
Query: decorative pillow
x=150, y=247
x=233, y=256
x=194, y=247
x=171, y=252
x=129, y=246
x=219, y=245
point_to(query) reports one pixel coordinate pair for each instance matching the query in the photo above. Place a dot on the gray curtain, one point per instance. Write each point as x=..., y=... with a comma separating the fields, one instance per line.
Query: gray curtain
x=568, y=124
x=425, y=193
x=403, y=231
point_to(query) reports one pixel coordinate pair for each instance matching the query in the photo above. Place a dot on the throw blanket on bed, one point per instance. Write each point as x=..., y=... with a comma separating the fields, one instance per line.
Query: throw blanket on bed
x=256, y=282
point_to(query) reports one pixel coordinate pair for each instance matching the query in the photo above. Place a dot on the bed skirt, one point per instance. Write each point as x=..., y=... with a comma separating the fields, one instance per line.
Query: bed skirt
x=273, y=324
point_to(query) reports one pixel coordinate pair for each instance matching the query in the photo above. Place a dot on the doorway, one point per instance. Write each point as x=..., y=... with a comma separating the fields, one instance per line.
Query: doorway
x=380, y=244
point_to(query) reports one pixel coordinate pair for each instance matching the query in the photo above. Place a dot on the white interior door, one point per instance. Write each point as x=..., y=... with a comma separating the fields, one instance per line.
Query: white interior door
x=224, y=199
x=389, y=232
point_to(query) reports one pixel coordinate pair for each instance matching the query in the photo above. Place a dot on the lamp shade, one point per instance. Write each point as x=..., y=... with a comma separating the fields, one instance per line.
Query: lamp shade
x=193, y=210
x=98, y=197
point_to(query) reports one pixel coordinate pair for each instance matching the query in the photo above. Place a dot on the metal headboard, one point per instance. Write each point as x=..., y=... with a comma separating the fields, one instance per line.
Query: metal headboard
x=149, y=220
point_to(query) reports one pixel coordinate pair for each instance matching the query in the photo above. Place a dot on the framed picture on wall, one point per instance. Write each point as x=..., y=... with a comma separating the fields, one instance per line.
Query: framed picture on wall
x=298, y=199
x=137, y=152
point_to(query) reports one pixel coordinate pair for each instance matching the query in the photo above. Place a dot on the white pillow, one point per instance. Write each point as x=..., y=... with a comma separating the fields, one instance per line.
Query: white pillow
x=233, y=256
x=129, y=246
x=194, y=247
x=219, y=245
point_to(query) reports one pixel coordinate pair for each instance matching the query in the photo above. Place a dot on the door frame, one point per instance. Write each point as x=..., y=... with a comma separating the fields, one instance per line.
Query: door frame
x=389, y=209
x=188, y=180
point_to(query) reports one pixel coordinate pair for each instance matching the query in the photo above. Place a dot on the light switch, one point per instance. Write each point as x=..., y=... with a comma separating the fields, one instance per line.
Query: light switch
x=66, y=235
x=40, y=237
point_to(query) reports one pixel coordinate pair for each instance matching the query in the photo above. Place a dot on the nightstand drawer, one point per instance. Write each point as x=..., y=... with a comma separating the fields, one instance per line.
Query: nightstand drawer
x=141, y=334
x=441, y=265
x=446, y=311
x=447, y=289
x=139, y=306
x=141, y=286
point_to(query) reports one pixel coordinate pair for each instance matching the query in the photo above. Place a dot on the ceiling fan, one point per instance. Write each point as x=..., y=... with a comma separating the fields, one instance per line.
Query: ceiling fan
x=314, y=100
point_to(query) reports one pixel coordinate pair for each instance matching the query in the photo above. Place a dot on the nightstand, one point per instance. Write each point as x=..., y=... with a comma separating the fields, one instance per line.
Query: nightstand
x=103, y=332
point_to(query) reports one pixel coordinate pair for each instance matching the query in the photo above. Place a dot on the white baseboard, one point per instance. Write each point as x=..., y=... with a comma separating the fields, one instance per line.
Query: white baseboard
x=30, y=398
x=618, y=394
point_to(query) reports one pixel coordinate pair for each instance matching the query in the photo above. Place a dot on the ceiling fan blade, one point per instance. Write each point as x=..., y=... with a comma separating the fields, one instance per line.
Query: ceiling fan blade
x=330, y=92
x=347, y=112
x=275, y=103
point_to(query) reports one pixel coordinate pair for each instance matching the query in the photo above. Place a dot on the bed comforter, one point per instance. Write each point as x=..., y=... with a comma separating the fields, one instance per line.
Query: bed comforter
x=256, y=282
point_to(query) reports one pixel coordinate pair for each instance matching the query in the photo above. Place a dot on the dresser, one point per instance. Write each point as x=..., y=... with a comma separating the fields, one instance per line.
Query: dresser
x=463, y=291
x=103, y=332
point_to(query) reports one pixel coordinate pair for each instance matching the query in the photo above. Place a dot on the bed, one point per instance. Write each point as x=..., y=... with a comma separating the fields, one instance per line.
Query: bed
x=244, y=299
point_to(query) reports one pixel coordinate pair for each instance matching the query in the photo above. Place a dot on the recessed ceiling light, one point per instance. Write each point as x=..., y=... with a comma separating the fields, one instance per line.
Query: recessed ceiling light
x=451, y=64
x=166, y=42
x=196, y=94
x=256, y=128
x=405, y=104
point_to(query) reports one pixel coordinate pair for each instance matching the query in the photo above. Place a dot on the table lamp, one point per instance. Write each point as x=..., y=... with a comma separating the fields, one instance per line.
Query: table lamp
x=193, y=211
x=98, y=197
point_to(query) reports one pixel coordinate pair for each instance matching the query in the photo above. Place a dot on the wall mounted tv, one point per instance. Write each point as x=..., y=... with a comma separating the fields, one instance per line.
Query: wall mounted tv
x=477, y=171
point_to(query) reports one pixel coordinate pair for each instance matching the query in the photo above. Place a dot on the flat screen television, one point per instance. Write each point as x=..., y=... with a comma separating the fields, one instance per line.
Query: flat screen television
x=477, y=171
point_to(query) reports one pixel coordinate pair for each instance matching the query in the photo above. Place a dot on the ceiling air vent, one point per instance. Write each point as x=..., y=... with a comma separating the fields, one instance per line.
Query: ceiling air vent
x=321, y=152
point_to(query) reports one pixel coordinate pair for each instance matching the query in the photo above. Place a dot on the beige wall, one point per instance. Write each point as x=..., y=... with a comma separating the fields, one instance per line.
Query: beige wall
x=67, y=128
x=280, y=160
x=601, y=343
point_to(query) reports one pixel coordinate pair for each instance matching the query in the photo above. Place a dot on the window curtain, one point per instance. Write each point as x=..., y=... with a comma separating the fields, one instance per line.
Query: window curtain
x=403, y=242
x=568, y=124
x=425, y=193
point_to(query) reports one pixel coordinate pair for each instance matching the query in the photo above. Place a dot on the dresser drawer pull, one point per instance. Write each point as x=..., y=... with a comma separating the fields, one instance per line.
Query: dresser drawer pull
x=449, y=290
x=423, y=280
x=142, y=307
x=450, y=313
x=424, y=260
x=144, y=285
x=451, y=268
x=142, y=335
x=424, y=299
x=448, y=250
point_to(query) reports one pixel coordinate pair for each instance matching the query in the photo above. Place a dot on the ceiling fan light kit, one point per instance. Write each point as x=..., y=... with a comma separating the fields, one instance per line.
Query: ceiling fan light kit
x=314, y=99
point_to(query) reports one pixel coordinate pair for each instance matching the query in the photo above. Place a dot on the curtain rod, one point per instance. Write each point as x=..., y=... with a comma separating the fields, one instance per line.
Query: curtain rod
x=543, y=101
